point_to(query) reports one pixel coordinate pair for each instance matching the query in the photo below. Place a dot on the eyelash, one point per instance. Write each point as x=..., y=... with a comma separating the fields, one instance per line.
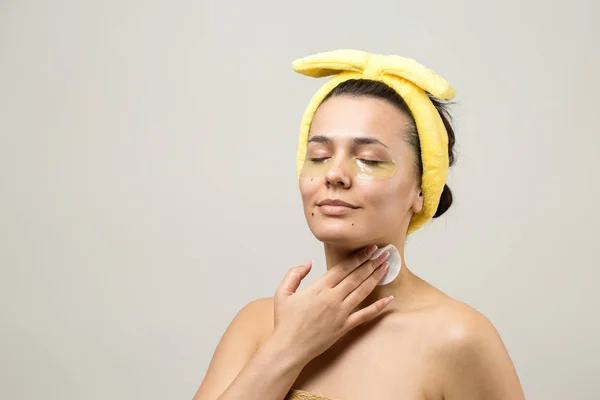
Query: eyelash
x=368, y=162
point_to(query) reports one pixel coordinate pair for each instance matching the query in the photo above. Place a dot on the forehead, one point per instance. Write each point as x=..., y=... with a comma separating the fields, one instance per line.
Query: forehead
x=373, y=116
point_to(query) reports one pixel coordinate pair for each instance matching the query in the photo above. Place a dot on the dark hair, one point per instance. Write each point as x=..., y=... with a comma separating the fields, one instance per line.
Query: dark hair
x=376, y=89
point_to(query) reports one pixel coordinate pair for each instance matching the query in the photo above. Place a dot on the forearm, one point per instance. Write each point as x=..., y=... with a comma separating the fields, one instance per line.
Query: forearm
x=268, y=375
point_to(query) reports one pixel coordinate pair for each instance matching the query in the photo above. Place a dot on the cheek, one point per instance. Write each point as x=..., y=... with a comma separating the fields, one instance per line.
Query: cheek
x=370, y=193
x=308, y=188
x=380, y=194
x=387, y=196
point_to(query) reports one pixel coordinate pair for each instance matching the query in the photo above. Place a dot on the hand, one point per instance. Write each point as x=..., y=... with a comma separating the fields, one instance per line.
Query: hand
x=309, y=321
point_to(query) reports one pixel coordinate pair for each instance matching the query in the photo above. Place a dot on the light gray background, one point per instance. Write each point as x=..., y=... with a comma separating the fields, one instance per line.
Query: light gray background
x=148, y=191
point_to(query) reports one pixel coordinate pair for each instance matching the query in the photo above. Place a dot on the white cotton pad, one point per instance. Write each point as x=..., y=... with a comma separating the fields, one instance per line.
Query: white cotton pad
x=394, y=260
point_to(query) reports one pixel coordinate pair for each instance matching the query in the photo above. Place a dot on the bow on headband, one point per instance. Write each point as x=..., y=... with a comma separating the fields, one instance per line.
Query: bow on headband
x=412, y=81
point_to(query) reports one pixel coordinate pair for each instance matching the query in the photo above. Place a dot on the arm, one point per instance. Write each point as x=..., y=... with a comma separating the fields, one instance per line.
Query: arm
x=478, y=365
x=241, y=368
x=298, y=325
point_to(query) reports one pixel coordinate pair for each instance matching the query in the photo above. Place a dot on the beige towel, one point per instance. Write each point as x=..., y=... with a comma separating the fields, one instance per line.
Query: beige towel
x=296, y=394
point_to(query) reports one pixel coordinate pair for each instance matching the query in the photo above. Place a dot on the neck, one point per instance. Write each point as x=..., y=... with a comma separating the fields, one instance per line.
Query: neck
x=401, y=287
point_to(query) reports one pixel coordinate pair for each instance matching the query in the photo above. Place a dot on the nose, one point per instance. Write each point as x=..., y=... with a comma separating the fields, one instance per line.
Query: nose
x=338, y=174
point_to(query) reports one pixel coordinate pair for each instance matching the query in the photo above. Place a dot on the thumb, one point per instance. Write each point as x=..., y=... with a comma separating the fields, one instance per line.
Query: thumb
x=293, y=278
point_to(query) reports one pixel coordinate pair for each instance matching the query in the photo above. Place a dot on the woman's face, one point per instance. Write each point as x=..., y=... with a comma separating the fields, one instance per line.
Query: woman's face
x=360, y=156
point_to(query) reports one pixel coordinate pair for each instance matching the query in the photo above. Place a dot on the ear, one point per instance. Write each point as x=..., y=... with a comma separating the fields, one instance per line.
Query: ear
x=417, y=204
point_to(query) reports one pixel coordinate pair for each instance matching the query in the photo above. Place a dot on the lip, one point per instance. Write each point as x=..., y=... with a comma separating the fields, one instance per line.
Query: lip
x=336, y=207
x=336, y=203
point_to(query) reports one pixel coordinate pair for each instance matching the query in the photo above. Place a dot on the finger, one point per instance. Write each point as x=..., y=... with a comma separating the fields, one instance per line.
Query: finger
x=359, y=275
x=336, y=274
x=293, y=278
x=367, y=314
x=358, y=295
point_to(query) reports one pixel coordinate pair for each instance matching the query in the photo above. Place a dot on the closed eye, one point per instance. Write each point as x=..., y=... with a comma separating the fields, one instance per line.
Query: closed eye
x=319, y=159
x=369, y=162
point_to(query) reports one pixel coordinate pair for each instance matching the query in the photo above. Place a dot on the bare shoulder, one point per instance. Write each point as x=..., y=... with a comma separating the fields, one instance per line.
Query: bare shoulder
x=244, y=335
x=448, y=324
x=472, y=358
x=461, y=326
x=256, y=317
x=245, y=332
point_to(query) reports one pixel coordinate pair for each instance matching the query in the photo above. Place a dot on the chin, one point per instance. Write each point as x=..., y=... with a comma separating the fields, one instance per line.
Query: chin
x=338, y=232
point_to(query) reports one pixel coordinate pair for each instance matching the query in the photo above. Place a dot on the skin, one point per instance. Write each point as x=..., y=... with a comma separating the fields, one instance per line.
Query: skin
x=425, y=345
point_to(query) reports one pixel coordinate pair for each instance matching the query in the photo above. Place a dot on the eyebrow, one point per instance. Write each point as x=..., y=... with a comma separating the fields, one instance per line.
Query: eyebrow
x=357, y=141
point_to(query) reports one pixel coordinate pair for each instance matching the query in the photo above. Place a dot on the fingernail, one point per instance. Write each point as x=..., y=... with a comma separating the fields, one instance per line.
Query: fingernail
x=384, y=268
x=372, y=249
x=384, y=256
x=389, y=300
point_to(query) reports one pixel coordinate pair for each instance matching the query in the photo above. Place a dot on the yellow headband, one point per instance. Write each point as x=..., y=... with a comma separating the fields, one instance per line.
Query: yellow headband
x=412, y=81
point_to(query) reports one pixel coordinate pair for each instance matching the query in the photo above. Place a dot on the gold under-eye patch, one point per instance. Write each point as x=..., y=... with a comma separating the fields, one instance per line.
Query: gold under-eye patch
x=362, y=169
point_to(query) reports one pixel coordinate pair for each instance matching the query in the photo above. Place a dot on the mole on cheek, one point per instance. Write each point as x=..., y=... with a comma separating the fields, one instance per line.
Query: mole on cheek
x=313, y=214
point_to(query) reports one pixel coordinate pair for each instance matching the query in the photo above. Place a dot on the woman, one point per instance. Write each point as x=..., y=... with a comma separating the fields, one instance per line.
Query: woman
x=374, y=150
